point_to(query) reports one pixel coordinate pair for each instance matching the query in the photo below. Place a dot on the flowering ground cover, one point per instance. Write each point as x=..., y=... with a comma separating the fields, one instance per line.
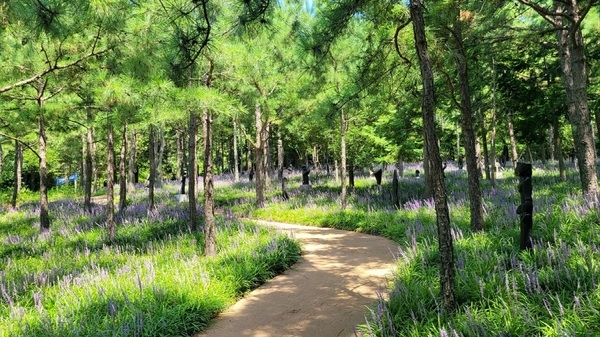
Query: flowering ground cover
x=152, y=280
x=551, y=290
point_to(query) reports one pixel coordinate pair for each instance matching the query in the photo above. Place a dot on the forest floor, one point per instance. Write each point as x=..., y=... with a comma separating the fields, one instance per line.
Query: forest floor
x=326, y=293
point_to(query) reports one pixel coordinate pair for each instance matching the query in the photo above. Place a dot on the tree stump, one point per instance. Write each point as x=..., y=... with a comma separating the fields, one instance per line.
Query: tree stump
x=251, y=175
x=305, y=173
x=284, y=192
x=525, y=210
x=378, y=174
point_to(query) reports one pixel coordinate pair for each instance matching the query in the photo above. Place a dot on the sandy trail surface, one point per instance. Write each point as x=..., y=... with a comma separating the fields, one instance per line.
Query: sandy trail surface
x=325, y=294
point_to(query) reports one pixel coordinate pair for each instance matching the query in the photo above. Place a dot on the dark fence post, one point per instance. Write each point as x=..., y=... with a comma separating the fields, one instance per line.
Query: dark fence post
x=395, y=190
x=525, y=210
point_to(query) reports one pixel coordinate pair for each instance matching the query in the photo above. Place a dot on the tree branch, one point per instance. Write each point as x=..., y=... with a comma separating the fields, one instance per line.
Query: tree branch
x=22, y=142
x=396, y=40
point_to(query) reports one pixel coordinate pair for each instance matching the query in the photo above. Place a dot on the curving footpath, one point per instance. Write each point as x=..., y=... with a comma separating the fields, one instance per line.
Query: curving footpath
x=325, y=294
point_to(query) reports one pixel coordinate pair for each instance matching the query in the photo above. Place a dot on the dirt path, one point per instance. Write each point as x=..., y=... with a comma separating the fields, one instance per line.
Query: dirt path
x=325, y=294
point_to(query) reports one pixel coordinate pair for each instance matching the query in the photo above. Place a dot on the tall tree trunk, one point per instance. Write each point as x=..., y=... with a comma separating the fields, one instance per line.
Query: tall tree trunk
x=551, y=144
x=160, y=152
x=110, y=185
x=183, y=166
x=131, y=161
x=236, y=156
x=17, y=173
x=122, y=170
x=514, y=156
x=266, y=156
x=493, y=129
x=280, y=154
x=573, y=64
x=210, y=233
x=343, y=129
x=446, y=247
x=558, y=146
x=193, y=171
x=179, y=157
x=95, y=180
x=89, y=167
x=475, y=198
x=486, y=154
x=426, y=171
x=152, y=160
x=44, y=207
x=259, y=152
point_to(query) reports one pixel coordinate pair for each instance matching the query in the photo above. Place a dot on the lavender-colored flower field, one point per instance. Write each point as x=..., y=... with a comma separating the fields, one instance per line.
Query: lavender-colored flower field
x=551, y=290
x=152, y=280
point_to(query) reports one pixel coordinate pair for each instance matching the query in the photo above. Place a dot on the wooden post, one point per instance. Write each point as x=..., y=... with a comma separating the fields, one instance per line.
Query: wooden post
x=395, y=190
x=525, y=210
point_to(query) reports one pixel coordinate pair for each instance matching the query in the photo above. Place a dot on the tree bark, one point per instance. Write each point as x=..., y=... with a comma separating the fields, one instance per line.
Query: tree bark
x=152, y=160
x=17, y=173
x=280, y=154
x=475, y=198
x=573, y=64
x=266, y=156
x=1, y=158
x=513, y=142
x=192, y=171
x=44, y=206
x=259, y=153
x=122, y=170
x=89, y=167
x=236, y=156
x=179, y=156
x=558, y=146
x=343, y=126
x=210, y=233
x=131, y=161
x=183, y=164
x=110, y=185
x=160, y=151
x=446, y=248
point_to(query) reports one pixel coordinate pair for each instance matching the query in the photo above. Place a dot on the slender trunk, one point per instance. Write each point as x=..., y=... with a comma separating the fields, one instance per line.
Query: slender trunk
x=183, y=166
x=44, y=207
x=573, y=64
x=315, y=157
x=475, y=198
x=110, y=185
x=152, y=160
x=280, y=154
x=131, y=164
x=89, y=167
x=446, y=248
x=179, y=156
x=343, y=128
x=266, y=155
x=95, y=180
x=210, y=234
x=160, y=152
x=514, y=156
x=486, y=154
x=236, y=159
x=17, y=173
x=193, y=171
x=551, y=144
x=493, y=129
x=122, y=170
x=260, y=197
x=336, y=170
x=558, y=146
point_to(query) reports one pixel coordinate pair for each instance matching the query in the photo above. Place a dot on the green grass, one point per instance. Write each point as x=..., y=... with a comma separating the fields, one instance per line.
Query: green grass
x=152, y=280
x=551, y=290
